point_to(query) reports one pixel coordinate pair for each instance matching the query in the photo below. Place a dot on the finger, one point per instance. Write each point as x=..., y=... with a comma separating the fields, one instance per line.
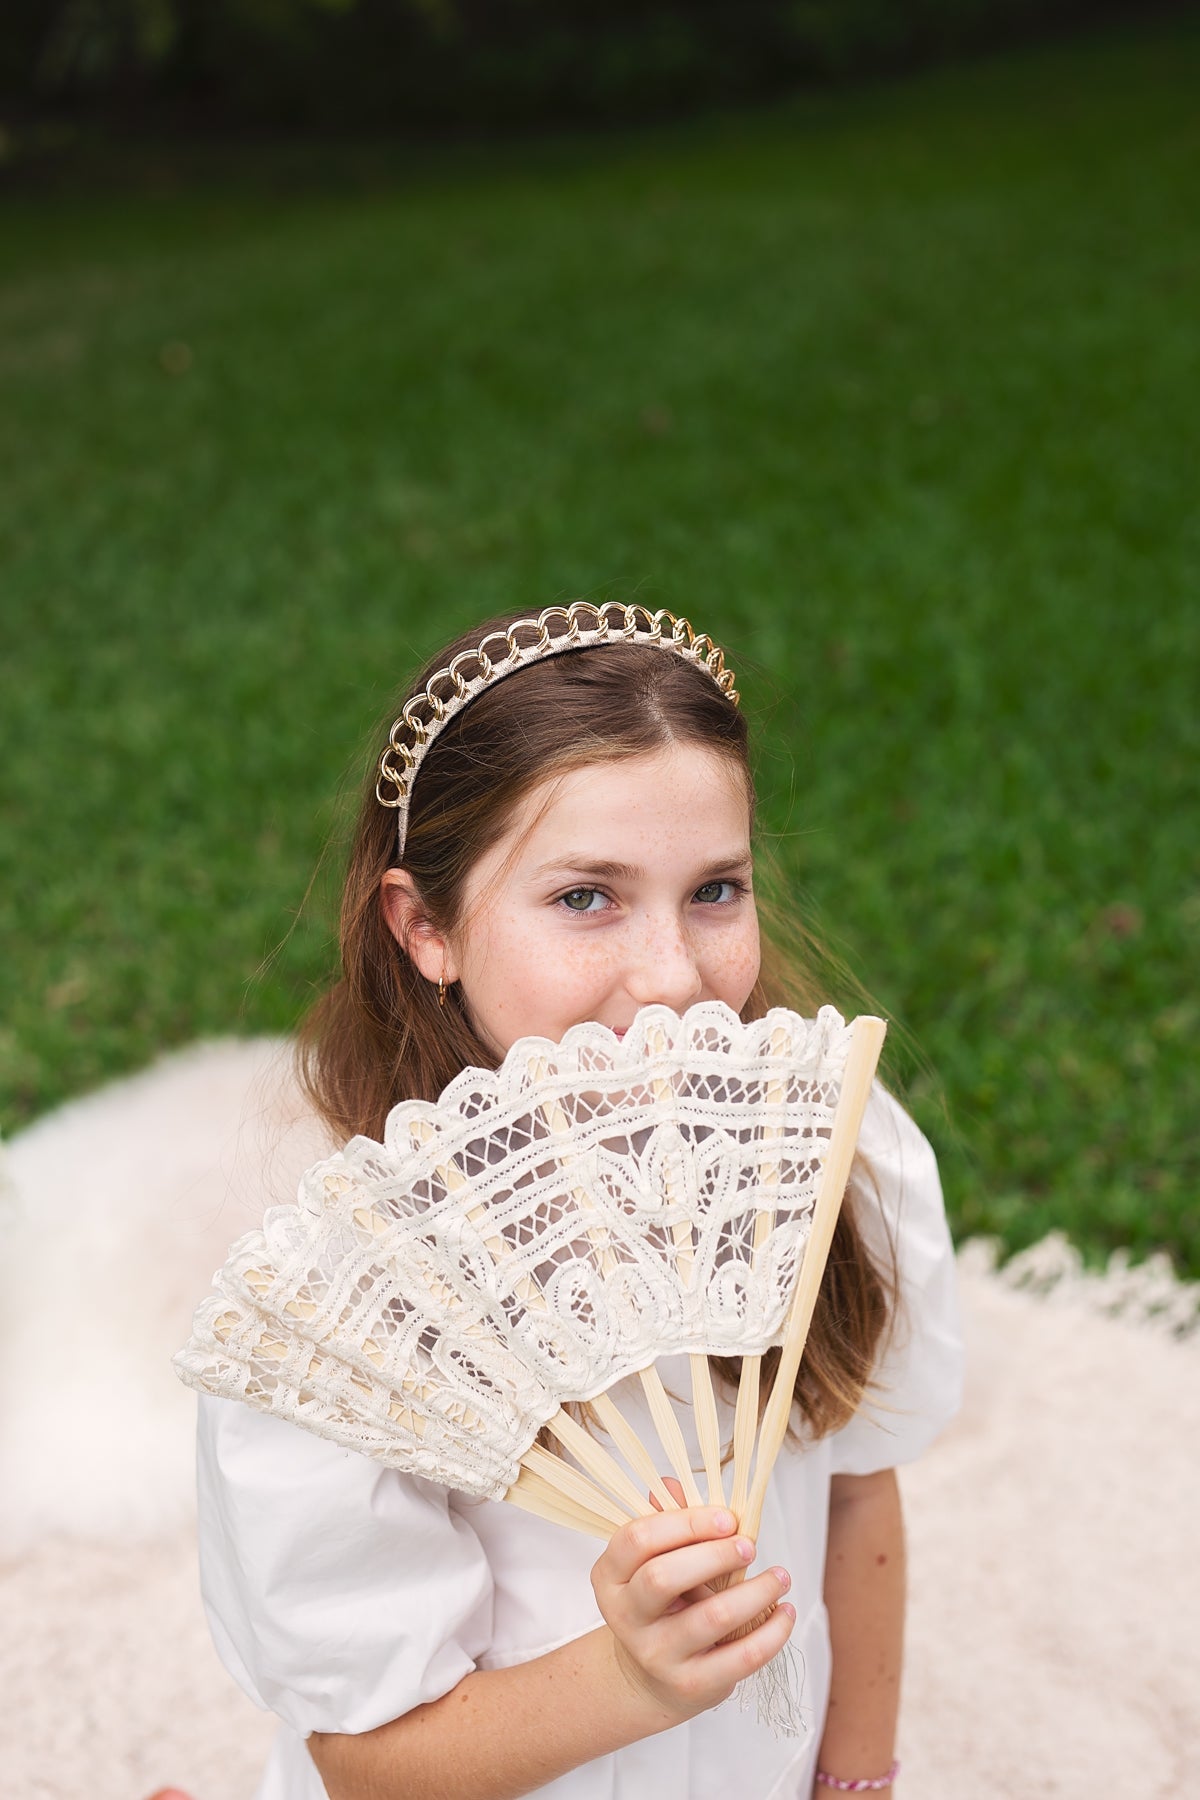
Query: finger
x=666, y=1581
x=651, y=1535
x=721, y=1615
x=727, y=1664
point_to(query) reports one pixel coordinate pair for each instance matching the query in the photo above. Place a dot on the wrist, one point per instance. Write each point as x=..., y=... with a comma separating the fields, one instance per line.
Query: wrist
x=638, y=1705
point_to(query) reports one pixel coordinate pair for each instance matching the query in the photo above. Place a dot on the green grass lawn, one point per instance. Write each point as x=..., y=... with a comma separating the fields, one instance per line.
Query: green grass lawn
x=895, y=391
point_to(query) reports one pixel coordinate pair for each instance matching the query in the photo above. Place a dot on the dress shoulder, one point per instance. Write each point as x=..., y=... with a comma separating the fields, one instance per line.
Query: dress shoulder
x=340, y=1593
x=917, y=1389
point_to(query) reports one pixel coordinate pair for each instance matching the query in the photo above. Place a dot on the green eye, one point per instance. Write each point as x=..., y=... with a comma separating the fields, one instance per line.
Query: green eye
x=711, y=891
x=580, y=899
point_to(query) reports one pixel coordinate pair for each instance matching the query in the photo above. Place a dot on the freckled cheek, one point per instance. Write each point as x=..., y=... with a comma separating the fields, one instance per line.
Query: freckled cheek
x=582, y=975
x=732, y=966
x=522, y=973
x=597, y=961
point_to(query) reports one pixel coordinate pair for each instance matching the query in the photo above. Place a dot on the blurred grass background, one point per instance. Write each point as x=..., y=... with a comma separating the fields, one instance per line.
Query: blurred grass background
x=894, y=390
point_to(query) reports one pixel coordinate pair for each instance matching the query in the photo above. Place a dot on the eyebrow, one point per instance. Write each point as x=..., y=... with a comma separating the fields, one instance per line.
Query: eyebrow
x=619, y=871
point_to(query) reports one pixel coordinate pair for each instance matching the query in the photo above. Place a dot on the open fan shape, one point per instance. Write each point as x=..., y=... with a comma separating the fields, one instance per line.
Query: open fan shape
x=544, y=1231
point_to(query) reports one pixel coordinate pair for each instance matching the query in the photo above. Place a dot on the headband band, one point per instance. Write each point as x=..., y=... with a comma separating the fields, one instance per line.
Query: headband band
x=584, y=626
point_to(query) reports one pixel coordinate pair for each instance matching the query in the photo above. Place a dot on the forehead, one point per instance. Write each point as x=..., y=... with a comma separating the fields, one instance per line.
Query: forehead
x=684, y=799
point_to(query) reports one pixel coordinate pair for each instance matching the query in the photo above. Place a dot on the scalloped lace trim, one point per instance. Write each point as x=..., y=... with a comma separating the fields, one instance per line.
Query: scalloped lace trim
x=540, y=1233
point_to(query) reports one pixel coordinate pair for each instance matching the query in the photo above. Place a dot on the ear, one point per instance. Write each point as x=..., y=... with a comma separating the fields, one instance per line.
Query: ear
x=412, y=929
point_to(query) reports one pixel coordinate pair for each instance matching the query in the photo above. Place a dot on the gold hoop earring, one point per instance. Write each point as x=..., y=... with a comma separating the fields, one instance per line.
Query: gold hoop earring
x=441, y=990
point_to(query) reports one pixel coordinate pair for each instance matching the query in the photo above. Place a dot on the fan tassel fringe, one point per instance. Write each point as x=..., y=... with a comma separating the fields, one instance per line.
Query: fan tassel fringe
x=776, y=1691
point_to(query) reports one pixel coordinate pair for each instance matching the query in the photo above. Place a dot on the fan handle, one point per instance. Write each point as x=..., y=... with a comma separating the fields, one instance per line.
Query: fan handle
x=866, y=1043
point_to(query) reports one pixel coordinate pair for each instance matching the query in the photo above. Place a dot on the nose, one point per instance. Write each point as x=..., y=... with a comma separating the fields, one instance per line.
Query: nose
x=663, y=969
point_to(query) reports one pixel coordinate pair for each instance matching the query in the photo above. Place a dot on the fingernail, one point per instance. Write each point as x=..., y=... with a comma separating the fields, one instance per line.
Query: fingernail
x=724, y=1521
x=745, y=1549
x=785, y=1606
x=783, y=1578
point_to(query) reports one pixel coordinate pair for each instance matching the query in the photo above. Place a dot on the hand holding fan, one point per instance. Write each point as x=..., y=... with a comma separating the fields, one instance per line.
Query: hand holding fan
x=540, y=1234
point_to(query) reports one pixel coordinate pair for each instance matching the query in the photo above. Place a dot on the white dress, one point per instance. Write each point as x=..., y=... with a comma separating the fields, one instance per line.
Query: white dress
x=341, y=1594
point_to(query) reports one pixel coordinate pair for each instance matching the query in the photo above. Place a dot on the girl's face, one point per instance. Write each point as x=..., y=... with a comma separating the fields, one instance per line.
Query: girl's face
x=620, y=884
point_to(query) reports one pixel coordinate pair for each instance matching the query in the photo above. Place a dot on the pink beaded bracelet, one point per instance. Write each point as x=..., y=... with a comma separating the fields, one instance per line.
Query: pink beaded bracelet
x=859, y=1787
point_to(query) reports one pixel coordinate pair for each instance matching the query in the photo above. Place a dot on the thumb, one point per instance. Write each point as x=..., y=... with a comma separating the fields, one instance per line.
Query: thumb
x=674, y=1488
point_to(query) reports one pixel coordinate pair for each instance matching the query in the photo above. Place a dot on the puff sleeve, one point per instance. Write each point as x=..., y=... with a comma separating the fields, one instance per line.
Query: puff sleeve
x=339, y=1593
x=918, y=1383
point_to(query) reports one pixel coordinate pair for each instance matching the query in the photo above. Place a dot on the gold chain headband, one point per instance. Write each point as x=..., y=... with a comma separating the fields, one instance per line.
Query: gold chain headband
x=501, y=653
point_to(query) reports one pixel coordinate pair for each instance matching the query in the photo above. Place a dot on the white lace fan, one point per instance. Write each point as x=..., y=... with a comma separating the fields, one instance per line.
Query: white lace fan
x=544, y=1231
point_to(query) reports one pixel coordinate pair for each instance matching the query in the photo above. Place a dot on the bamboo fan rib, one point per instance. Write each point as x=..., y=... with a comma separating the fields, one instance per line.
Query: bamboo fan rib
x=544, y=1232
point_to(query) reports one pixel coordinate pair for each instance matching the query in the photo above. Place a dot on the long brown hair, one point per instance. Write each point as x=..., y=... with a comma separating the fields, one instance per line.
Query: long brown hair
x=378, y=1036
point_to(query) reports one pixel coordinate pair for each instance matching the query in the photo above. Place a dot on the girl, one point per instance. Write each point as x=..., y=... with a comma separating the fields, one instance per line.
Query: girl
x=560, y=830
